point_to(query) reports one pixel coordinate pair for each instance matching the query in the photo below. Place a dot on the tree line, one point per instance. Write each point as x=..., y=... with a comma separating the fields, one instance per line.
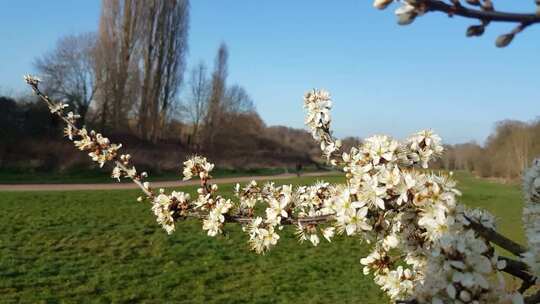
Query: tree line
x=130, y=79
x=129, y=76
x=507, y=152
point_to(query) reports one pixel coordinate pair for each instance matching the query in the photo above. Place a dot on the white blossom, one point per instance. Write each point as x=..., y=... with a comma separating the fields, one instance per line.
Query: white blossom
x=216, y=217
x=197, y=166
x=531, y=217
x=381, y=4
x=57, y=107
x=32, y=80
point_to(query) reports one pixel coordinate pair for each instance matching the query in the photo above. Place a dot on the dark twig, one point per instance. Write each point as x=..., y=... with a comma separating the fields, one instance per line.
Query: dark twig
x=519, y=270
x=497, y=238
x=486, y=15
x=49, y=102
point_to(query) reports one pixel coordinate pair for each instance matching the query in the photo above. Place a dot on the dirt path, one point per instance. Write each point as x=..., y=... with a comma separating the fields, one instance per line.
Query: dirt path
x=163, y=184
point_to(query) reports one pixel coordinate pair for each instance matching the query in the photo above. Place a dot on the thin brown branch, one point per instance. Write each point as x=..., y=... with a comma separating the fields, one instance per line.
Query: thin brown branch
x=146, y=191
x=49, y=102
x=520, y=270
x=497, y=238
x=204, y=183
x=485, y=15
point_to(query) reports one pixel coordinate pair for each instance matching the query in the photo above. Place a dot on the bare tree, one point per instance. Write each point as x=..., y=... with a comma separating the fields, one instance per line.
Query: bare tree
x=506, y=154
x=197, y=101
x=164, y=32
x=68, y=71
x=116, y=60
x=510, y=148
x=237, y=100
x=215, y=106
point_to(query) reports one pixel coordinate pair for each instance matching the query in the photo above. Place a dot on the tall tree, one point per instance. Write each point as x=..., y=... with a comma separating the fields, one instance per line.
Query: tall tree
x=68, y=71
x=218, y=87
x=116, y=57
x=197, y=100
x=164, y=46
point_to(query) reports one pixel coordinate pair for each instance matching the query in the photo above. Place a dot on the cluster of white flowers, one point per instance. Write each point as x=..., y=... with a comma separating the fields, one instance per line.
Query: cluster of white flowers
x=263, y=231
x=404, y=209
x=351, y=216
x=397, y=283
x=318, y=200
x=248, y=196
x=421, y=148
x=214, y=222
x=460, y=268
x=214, y=207
x=32, y=80
x=262, y=235
x=167, y=208
x=318, y=105
x=389, y=203
x=531, y=217
x=423, y=244
x=58, y=107
x=197, y=166
x=285, y=203
x=124, y=169
x=101, y=149
x=69, y=130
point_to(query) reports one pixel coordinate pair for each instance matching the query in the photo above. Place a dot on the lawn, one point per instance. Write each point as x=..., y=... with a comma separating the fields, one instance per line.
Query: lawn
x=103, y=246
x=102, y=175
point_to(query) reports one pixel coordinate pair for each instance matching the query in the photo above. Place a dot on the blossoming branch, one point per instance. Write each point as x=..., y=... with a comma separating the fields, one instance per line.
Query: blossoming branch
x=425, y=246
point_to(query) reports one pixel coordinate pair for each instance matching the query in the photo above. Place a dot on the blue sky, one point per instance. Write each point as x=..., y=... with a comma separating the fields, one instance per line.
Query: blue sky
x=384, y=78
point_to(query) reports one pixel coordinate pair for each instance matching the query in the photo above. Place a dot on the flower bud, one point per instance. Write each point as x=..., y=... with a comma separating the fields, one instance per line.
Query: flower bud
x=475, y=30
x=406, y=18
x=465, y=296
x=504, y=40
x=381, y=4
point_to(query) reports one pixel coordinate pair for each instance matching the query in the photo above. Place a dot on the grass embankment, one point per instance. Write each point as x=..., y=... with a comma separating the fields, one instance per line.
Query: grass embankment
x=103, y=246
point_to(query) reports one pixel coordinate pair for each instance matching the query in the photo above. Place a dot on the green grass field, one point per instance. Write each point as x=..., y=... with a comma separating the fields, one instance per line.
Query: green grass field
x=102, y=247
x=101, y=175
